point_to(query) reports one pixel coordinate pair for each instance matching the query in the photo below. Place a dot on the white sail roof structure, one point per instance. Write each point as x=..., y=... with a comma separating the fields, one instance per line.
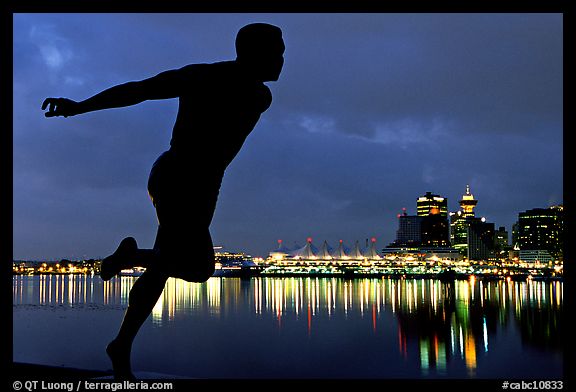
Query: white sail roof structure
x=371, y=252
x=281, y=252
x=342, y=252
x=356, y=252
x=325, y=252
x=282, y=249
x=308, y=251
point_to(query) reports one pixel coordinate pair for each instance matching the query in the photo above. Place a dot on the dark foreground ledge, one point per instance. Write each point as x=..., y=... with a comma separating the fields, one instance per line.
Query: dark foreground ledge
x=31, y=371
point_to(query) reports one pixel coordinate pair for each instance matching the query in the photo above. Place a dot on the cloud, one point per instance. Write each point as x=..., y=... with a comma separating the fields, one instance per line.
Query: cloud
x=500, y=74
x=317, y=124
x=53, y=48
x=408, y=132
x=371, y=111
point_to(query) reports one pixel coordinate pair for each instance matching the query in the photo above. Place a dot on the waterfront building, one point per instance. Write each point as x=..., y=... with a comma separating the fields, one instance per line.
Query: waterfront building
x=501, y=238
x=422, y=254
x=542, y=229
x=431, y=204
x=357, y=253
x=423, y=237
x=459, y=221
x=371, y=253
x=434, y=227
x=435, y=230
x=515, y=231
x=467, y=203
x=459, y=231
x=325, y=252
x=472, y=236
x=536, y=256
x=429, y=228
x=480, y=239
x=281, y=252
x=309, y=254
x=514, y=253
x=501, y=244
x=342, y=252
x=409, y=231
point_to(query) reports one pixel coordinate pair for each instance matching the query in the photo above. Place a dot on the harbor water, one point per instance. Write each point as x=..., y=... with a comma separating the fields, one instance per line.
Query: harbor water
x=300, y=327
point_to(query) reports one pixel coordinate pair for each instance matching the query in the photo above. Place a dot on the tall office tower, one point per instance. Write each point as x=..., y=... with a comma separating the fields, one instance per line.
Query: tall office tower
x=431, y=204
x=480, y=239
x=542, y=229
x=409, y=230
x=515, y=235
x=501, y=239
x=459, y=232
x=459, y=222
x=469, y=233
x=435, y=230
x=434, y=224
x=467, y=203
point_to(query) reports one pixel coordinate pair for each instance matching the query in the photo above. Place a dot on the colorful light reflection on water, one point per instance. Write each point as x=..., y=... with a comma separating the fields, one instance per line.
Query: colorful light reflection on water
x=436, y=322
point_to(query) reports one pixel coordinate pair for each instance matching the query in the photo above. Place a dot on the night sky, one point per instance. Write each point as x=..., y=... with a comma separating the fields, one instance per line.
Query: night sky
x=371, y=112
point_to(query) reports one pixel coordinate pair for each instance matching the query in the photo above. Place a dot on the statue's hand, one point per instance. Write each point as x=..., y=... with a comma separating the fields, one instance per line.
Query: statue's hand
x=60, y=107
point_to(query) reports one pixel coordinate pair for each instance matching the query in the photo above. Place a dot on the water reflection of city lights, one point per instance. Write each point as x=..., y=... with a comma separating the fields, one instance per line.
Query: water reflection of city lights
x=437, y=322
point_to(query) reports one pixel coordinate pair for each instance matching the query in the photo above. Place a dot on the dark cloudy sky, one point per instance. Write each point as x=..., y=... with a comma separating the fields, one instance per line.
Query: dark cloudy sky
x=371, y=112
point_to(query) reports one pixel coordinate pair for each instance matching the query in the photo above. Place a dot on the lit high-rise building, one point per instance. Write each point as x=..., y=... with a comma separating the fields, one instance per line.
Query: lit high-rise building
x=467, y=203
x=435, y=230
x=431, y=204
x=434, y=224
x=459, y=231
x=472, y=236
x=409, y=231
x=542, y=229
x=480, y=239
x=515, y=234
x=501, y=244
x=459, y=222
x=501, y=238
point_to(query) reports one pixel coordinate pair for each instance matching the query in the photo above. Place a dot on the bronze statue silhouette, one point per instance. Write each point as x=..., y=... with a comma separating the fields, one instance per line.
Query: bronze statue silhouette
x=219, y=105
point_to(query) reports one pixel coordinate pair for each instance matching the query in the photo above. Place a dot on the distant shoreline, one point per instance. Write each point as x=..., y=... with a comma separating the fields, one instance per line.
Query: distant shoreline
x=438, y=276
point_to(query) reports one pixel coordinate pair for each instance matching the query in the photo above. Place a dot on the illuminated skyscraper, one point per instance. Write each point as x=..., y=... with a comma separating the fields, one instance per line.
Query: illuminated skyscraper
x=431, y=204
x=467, y=203
x=434, y=224
x=435, y=230
x=542, y=229
x=501, y=244
x=459, y=222
x=472, y=236
x=501, y=238
x=409, y=230
x=480, y=236
x=459, y=231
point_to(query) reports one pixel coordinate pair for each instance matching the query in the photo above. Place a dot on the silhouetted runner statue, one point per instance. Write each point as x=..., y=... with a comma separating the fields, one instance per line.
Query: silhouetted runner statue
x=219, y=105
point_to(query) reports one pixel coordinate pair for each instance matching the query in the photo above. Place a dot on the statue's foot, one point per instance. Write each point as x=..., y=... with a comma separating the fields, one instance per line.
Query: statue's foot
x=120, y=356
x=120, y=259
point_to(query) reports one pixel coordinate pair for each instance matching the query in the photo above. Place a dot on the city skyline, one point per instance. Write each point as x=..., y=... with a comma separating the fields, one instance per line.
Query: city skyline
x=372, y=111
x=298, y=243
